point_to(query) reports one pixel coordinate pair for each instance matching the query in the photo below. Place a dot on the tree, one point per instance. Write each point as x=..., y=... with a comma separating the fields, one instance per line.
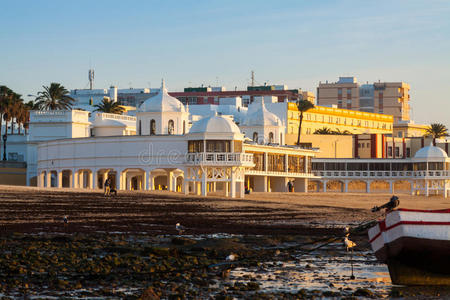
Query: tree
x=323, y=130
x=54, y=97
x=108, y=106
x=436, y=130
x=339, y=132
x=302, y=106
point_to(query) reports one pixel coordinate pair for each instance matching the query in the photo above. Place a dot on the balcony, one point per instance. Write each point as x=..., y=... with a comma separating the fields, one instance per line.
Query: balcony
x=220, y=159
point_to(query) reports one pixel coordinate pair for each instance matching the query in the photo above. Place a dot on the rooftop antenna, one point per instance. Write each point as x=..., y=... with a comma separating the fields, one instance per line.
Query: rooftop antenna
x=253, y=78
x=91, y=78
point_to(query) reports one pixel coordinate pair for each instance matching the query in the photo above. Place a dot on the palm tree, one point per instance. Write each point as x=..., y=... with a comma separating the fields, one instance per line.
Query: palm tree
x=6, y=95
x=108, y=106
x=54, y=97
x=436, y=130
x=339, y=132
x=302, y=106
x=323, y=130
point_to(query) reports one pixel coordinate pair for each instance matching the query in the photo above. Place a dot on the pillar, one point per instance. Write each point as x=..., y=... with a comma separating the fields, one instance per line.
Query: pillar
x=59, y=179
x=74, y=181
x=226, y=187
x=151, y=183
x=445, y=188
x=128, y=182
x=81, y=178
x=241, y=190
x=204, y=184
x=94, y=176
x=427, y=191
x=91, y=179
x=170, y=181
x=391, y=187
x=119, y=179
x=146, y=176
x=40, y=180
x=345, y=186
x=325, y=185
x=48, y=182
x=186, y=187
x=233, y=183
x=368, y=186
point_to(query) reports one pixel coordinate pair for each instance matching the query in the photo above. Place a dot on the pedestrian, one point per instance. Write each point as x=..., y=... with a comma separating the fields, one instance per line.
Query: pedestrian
x=108, y=187
x=289, y=185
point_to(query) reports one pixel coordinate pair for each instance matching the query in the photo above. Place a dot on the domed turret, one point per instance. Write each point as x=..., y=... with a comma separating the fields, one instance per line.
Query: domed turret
x=263, y=126
x=215, y=124
x=162, y=114
x=431, y=152
x=162, y=102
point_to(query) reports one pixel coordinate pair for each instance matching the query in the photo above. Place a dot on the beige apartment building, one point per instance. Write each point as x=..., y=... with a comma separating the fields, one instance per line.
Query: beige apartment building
x=390, y=98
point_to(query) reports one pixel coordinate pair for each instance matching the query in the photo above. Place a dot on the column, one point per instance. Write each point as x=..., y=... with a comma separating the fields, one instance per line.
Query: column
x=39, y=179
x=151, y=184
x=286, y=162
x=170, y=181
x=91, y=179
x=128, y=182
x=186, y=187
x=368, y=186
x=391, y=186
x=118, y=179
x=48, y=182
x=306, y=164
x=74, y=181
x=204, y=184
x=427, y=190
x=233, y=183
x=241, y=190
x=146, y=176
x=81, y=179
x=325, y=185
x=226, y=184
x=445, y=188
x=345, y=186
x=94, y=176
x=59, y=179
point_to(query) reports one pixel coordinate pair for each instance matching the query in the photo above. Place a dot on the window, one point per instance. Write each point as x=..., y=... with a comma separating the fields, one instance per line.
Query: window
x=171, y=127
x=270, y=137
x=152, y=127
x=139, y=127
x=389, y=151
x=397, y=151
x=255, y=136
x=195, y=146
x=408, y=152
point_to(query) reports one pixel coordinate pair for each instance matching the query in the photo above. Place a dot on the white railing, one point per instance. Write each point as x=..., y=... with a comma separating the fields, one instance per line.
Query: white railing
x=219, y=158
x=381, y=174
x=109, y=116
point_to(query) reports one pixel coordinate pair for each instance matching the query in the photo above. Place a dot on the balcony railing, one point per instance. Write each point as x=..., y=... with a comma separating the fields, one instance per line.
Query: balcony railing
x=382, y=174
x=220, y=158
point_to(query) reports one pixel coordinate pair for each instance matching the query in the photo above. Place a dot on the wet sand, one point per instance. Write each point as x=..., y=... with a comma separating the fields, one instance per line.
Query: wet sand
x=287, y=246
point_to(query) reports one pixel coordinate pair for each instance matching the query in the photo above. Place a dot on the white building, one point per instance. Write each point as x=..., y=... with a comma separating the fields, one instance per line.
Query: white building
x=166, y=153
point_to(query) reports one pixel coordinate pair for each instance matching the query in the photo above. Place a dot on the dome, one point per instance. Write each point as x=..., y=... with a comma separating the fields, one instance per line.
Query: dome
x=215, y=124
x=109, y=123
x=162, y=102
x=431, y=152
x=263, y=117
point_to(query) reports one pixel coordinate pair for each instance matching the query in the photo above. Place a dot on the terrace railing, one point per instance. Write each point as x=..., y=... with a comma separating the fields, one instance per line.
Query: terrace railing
x=220, y=159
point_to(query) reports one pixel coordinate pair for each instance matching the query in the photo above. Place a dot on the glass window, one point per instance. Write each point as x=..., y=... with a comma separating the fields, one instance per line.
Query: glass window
x=171, y=127
x=152, y=127
x=271, y=137
x=255, y=137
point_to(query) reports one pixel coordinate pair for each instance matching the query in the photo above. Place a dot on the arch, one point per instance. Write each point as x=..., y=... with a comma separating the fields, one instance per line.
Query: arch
x=140, y=127
x=179, y=183
x=170, y=127
x=357, y=185
x=255, y=137
x=271, y=137
x=152, y=127
x=379, y=186
x=403, y=185
x=335, y=185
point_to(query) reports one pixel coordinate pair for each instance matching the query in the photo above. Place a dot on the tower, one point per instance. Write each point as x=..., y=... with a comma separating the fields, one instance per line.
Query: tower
x=91, y=78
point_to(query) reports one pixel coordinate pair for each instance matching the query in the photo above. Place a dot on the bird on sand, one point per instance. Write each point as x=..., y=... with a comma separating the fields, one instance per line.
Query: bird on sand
x=230, y=257
x=348, y=243
x=66, y=220
x=180, y=228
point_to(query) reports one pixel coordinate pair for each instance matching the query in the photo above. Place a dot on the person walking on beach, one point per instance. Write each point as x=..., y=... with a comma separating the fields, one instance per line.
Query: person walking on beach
x=108, y=187
x=289, y=186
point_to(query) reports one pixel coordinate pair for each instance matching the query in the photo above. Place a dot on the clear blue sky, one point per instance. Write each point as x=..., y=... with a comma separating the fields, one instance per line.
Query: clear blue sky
x=298, y=43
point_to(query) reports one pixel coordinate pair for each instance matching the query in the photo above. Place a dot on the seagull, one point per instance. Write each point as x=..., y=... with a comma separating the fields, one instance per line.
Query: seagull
x=348, y=243
x=180, y=228
x=230, y=257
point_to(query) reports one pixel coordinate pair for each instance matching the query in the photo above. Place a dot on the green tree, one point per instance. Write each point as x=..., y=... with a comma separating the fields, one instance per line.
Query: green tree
x=108, y=106
x=54, y=97
x=436, y=130
x=339, y=132
x=323, y=130
x=302, y=106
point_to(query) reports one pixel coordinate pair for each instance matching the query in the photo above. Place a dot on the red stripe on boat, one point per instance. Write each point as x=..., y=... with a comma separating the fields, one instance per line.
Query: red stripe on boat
x=440, y=211
x=383, y=227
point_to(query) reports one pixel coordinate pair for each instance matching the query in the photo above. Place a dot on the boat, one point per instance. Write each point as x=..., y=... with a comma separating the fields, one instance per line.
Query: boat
x=415, y=245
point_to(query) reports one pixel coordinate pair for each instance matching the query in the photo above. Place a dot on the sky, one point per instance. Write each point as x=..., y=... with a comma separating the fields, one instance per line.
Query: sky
x=189, y=43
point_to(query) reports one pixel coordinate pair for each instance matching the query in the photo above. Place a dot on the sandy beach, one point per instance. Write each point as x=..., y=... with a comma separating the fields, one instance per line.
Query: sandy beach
x=284, y=246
